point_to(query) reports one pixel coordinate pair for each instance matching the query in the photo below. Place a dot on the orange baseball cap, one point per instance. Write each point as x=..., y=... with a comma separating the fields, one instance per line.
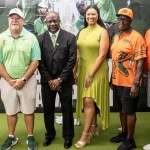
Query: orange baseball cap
x=126, y=12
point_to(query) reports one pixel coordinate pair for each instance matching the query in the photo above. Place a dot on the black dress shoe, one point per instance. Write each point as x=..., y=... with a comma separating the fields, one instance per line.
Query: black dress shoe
x=47, y=141
x=67, y=144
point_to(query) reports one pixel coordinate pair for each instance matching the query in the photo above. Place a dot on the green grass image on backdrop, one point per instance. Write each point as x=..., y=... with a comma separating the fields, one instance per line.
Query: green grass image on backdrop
x=142, y=133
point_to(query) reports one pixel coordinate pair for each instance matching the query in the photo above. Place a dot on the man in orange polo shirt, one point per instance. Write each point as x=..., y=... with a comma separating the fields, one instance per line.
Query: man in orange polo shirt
x=128, y=53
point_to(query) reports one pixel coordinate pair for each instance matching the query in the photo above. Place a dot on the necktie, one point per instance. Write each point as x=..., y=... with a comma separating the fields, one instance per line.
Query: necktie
x=53, y=39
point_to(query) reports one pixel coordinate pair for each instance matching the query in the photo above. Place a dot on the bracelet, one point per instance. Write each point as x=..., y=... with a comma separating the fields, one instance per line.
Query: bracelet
x=91, y=76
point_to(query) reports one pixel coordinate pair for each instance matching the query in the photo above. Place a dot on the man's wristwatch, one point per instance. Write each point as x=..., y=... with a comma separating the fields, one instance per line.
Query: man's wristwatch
x=23, y=79
x=137, y=84
x=60, y=80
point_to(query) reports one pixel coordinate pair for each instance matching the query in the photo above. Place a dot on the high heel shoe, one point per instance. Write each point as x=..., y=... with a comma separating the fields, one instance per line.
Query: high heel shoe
x=81, y=144
x=95, y=130
x=89, y=138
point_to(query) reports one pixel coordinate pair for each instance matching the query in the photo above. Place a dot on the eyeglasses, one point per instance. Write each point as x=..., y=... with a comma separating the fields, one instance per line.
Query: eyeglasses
x=123, y=20
x=16, y=18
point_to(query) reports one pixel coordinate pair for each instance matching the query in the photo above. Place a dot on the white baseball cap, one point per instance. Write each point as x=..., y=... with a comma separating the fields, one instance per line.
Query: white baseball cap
x=16, y=11
x=43, y=5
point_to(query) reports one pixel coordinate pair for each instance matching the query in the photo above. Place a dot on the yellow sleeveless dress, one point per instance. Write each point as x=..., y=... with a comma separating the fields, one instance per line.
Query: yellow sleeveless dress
x=88, y=47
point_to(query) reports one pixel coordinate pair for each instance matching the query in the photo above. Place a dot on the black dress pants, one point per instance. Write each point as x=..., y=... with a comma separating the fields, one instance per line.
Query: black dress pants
x=48, y=98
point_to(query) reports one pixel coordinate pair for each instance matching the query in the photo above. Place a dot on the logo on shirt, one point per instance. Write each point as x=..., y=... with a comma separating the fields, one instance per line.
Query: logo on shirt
x=126, y=40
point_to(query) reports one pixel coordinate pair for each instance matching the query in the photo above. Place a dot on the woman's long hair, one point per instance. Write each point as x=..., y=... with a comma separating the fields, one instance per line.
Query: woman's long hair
x=99, y=21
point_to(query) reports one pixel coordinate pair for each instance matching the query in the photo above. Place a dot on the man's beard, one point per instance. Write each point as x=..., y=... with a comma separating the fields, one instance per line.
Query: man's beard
x=15, y=27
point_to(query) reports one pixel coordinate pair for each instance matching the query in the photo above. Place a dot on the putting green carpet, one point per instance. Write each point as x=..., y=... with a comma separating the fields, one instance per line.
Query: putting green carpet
x=100, y=142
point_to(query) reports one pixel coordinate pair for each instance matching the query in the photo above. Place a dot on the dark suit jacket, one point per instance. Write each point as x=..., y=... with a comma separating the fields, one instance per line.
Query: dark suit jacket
x=59, y=61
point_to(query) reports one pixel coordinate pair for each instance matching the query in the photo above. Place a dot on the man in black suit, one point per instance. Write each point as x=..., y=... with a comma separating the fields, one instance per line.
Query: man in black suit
x=58, y=60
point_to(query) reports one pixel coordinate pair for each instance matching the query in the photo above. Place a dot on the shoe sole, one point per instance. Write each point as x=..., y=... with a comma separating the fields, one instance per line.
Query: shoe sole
x=29, y=148
x=13, y=144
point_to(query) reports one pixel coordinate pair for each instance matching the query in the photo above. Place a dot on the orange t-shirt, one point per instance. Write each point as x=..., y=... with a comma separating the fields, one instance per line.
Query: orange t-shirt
x=126, y=49
x=147, y=41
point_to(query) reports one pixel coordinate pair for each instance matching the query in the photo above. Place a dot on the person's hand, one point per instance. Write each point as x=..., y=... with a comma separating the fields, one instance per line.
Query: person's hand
x=134, y=92
x=19, y=84
x=58, y=88
x=55, y=85
x=88, y=81
x=12, y=82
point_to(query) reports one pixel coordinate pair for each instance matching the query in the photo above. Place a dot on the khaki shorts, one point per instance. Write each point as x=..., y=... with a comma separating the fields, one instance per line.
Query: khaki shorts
x=19, y=100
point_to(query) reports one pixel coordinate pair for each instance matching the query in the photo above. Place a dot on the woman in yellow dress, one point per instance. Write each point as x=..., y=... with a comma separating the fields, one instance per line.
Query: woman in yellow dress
x=91, y=74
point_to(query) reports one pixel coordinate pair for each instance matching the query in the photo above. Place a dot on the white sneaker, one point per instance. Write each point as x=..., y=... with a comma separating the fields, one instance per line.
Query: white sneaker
x=146, y=147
